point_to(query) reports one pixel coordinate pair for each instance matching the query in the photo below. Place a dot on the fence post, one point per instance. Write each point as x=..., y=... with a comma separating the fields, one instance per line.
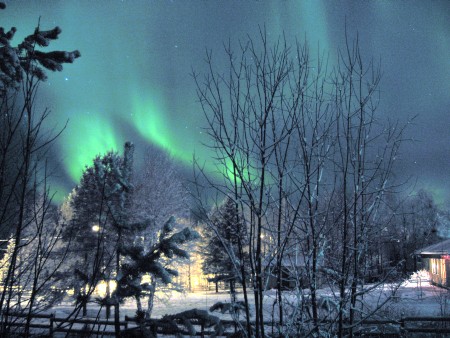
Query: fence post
x=52, y=320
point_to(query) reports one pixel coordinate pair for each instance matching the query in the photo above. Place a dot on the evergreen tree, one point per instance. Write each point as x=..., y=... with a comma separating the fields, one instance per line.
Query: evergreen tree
x=24, y=61
x=100, y=226
x=141, y=260
x=224, y=255
x=127, y=243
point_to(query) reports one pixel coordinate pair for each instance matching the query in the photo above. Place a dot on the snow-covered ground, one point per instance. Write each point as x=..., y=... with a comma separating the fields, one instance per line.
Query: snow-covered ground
x=417, y=297
x=414, y=297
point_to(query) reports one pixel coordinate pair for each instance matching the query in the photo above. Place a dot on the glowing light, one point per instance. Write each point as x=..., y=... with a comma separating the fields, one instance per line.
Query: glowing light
x=95, y=228
x=102, y=287
x=138, y=70
x=149, y=118
x=149, y=121
x=87, y=136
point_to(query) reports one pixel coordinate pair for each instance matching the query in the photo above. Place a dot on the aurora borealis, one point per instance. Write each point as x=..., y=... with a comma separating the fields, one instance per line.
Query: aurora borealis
x=133, y=80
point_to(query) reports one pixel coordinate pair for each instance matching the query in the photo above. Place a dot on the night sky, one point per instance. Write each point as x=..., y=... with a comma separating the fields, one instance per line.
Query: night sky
x=133, y=80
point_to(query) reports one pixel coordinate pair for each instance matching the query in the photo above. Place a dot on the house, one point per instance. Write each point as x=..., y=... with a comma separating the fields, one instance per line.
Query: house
x=295, y=269
x=436, y=260
x=289, y=273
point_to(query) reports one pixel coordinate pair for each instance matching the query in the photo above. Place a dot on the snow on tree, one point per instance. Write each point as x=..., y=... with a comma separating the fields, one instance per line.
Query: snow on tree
x=24, y=60
x=223, y=252
x=100, y=225
x=24, y=196
x=39, y=259
x=141, y=260
x=128, y=243
x=158, y=194
x=158, y=191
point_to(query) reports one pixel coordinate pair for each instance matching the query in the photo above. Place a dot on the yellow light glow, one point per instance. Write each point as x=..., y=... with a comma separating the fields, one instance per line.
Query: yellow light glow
x=101, y=288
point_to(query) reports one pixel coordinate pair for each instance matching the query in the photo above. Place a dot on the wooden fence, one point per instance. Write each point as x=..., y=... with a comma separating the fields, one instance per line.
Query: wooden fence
x=50, y=325
x=406, y=325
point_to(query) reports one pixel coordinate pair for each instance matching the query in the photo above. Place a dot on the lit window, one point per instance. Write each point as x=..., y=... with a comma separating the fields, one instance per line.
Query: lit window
x=434, y=267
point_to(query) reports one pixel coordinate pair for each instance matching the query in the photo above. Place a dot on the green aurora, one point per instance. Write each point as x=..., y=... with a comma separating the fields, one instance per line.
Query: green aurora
x=133, y=80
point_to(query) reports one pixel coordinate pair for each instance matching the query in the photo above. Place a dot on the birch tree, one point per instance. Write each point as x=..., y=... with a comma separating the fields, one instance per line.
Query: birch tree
x=300, y=150
x=250, y=113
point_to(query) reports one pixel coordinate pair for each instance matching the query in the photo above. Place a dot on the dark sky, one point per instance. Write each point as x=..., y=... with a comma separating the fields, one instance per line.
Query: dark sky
x=133, y=79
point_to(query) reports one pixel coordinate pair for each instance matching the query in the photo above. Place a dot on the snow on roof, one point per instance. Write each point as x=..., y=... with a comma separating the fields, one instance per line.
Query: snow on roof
x=438, y=248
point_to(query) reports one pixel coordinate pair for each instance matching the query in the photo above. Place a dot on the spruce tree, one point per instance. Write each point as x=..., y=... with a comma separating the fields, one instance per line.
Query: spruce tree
x=224, y=255
x=128, y=245
x=100, y=226
x=140, y=261
x=24, y=63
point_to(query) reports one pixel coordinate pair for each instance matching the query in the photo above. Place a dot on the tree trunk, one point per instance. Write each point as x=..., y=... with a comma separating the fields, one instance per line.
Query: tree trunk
x=232, y=291
x=151, y=298
x=84, y=304
x=117, y=319
x=116, y=301
x=138, y=303
x=108, y=296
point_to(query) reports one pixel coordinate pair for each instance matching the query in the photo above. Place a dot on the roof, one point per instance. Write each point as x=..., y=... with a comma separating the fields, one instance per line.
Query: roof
x=441, y=248
x=291, y=258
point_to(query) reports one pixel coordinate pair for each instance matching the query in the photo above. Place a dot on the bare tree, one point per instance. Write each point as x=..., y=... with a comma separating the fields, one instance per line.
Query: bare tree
x=299, y=149
x=415, y=225
x=365, y=154
x=158, y=191
x=251, y=115
x=38, y=280
x=158, y=194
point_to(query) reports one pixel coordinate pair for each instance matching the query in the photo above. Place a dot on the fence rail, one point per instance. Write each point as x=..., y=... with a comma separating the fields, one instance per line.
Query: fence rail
x=50, y=325
x=425, y=324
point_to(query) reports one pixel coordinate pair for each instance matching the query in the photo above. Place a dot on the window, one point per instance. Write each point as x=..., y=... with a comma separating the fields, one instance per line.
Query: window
x=434, y=269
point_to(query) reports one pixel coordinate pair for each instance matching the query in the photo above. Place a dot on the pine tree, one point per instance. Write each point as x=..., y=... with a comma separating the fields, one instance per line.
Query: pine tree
x=223, y=253
x=141, y=261
x=128, y=245
x=24, y=61
x=100, y=226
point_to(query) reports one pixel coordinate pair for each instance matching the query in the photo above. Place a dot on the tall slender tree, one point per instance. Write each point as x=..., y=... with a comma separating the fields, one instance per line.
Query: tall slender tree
x=101, y=222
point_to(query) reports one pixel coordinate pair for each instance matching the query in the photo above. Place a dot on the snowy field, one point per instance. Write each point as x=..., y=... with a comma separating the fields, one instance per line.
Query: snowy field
x=414, y=297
